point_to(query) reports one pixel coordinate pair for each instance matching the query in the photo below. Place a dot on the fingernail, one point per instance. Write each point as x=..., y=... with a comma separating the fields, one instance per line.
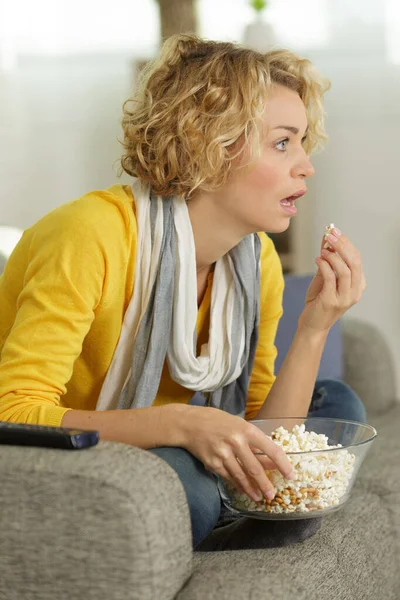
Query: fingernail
x=270, y=495
x=336, y=231
x=331, y=238
x=291, y=475
x=257, y=496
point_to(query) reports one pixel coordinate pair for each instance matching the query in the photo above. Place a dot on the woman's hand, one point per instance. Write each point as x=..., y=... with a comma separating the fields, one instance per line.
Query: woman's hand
x=226, y=444
x=337, y=285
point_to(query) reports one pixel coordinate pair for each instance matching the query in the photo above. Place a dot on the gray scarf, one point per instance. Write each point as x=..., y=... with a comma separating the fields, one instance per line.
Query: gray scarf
x=153, y=336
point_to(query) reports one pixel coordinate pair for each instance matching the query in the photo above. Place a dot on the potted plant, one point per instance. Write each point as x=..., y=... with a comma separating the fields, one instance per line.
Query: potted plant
x=258, y=5
x=259, y=34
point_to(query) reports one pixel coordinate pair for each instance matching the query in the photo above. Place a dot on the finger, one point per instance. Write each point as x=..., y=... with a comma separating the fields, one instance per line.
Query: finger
x=263, y=459
x=220, y=470
x=329, y=237
x=225, y=475
x=342, y=271
x=241, y=479
x=328, y=275
x=272, y=450
x=250, y=475
x=349, y=253
x=325, y=243
x=357, y=281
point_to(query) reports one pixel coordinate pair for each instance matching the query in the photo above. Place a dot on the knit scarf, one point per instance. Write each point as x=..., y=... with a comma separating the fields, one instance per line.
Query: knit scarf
x=160, y=321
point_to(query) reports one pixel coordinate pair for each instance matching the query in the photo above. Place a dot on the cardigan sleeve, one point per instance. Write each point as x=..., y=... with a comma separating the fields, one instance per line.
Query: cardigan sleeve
x=61, y=261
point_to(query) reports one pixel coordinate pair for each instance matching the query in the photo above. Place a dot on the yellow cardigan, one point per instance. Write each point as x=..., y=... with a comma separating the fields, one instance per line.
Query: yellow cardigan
x=63, y=296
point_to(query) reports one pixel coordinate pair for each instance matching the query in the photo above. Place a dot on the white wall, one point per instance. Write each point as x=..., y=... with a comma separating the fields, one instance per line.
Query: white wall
x=59, y=120
x=357, y=183
x=59, y=123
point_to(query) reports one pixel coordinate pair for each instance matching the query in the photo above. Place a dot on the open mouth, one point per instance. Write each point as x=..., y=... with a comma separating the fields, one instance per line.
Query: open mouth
x=288, y=201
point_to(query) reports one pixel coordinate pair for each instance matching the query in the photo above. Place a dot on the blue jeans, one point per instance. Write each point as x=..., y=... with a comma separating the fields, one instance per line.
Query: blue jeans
x=331, y=398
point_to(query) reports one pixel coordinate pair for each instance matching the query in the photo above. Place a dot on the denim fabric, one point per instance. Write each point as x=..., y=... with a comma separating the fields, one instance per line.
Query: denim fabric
x=201, y=489
x=334, y=399
x=331, y=398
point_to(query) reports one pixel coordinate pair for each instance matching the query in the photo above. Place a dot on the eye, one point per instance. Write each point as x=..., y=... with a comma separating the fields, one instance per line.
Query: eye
x=282, y=149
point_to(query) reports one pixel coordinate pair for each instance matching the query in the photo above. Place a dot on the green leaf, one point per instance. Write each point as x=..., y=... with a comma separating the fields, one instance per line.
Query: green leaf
x=258, y=5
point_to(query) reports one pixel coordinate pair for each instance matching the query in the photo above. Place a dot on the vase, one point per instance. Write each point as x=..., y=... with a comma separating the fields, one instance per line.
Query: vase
x=259, y=35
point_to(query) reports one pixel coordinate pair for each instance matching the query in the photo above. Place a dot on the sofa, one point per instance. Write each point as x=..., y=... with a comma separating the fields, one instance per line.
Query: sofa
x=112, y=523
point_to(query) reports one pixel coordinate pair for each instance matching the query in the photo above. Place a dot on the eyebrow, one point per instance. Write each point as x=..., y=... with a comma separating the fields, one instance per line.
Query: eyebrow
x=290, y=128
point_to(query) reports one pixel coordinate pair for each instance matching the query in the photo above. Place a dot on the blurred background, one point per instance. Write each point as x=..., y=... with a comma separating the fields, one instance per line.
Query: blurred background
x=66, y=67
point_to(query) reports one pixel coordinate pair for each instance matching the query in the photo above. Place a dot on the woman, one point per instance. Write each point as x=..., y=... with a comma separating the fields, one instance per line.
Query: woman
x=100, y=291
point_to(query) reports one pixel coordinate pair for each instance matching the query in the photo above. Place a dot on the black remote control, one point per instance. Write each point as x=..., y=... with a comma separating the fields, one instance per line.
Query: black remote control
x=20, y=434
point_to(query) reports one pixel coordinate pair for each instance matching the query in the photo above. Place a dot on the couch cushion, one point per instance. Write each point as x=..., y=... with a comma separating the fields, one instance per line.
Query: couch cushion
x=355, y=555
x=336, y=564
x=381, y=469
x=331, y=365
x=369, y=366
x=109, y=522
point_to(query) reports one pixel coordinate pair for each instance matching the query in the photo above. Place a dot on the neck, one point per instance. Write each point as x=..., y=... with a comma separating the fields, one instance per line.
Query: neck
x=214, y=232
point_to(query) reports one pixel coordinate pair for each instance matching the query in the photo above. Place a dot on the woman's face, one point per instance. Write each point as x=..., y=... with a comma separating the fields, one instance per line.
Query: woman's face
x=252, y=195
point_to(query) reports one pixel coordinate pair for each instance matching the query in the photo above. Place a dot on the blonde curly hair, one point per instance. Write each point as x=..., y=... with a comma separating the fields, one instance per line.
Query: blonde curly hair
x=196, y=104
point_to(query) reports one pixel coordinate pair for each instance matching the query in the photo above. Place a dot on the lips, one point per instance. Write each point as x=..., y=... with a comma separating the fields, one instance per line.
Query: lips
x=294, y=196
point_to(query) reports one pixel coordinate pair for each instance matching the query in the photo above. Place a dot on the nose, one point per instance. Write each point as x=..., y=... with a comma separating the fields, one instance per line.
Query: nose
x=303, y=167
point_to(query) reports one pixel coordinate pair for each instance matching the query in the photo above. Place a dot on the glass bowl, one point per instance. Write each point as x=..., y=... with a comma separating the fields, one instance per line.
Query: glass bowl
x=323, y=478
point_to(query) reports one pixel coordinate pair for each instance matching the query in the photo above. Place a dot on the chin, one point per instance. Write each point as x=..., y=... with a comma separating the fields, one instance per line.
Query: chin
x=277, y=227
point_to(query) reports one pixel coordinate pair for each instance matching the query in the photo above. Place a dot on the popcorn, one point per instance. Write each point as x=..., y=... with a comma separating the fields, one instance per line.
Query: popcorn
x=328, y=230
x=321, y=479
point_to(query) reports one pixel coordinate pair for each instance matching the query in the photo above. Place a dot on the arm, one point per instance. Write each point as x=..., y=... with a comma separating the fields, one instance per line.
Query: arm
x=337, y=285
x=142, y=427
x=291, y=393
x=54, y=285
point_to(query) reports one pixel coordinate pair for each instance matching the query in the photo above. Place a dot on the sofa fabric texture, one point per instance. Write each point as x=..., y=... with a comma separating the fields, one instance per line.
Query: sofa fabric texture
x=112, y=522
x=107, y=522
x=355, y=554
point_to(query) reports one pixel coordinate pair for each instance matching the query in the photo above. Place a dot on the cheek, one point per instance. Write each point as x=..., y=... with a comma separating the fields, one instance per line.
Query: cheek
x=265, y=178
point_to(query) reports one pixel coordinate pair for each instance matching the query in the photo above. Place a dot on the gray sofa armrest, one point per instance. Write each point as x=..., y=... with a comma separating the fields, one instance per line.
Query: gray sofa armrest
x=368, y=365
x=106, y=523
